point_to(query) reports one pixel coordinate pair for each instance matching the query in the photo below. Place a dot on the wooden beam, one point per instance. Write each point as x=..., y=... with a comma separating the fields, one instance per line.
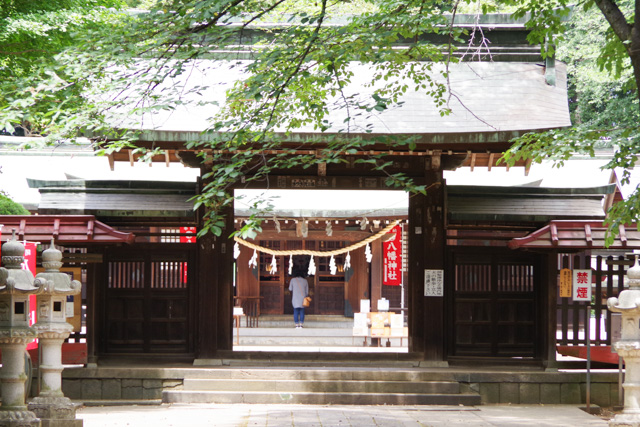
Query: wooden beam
x=56, y=228
x=112, y=161
x=473, y=161
x=527, y=167
x=22, y=229
x=490, y=162
x=587, y=235
x=131, y=160
x=90, y=225
x=554, y=234
x=167, y=158
x=623, y=234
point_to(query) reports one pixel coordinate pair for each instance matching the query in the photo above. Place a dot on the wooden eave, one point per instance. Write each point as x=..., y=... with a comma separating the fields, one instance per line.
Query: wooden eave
x=64, y=229
x=488, y=159
x=577, y=235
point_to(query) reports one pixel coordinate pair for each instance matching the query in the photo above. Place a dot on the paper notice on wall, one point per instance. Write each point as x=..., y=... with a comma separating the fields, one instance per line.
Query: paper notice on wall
x=565, y=283
x=69, y=306
x=434, y=283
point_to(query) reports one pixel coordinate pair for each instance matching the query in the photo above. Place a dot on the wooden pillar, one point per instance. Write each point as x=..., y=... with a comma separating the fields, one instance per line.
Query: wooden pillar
x=376, y=273
x=95, y=275
x=548, y=314
x=215, y=292
x=426, y=252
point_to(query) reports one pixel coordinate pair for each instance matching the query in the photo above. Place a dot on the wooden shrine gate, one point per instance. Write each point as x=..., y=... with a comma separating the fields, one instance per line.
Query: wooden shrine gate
x=494, y=304
x=148, y=299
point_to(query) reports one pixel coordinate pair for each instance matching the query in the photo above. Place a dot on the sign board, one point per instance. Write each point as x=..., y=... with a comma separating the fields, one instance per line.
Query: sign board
x=392, y=258
x=582, y=285
x=378, y=321
x=434, y=283
x=30, y=252
x=365, y=306
x=188, y=230
x=565, y=283
x=360, y=327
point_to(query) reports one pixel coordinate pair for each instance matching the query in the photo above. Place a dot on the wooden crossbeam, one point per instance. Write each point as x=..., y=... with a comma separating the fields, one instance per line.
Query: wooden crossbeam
x=587, y=235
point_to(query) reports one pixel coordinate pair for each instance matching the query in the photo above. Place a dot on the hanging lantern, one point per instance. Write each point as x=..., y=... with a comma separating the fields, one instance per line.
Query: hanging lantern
x=368, y=253
x=332, y=266
x=290, y=264
x=312, y=267
x=236, y=251
x=253, y=262
x=274, y=265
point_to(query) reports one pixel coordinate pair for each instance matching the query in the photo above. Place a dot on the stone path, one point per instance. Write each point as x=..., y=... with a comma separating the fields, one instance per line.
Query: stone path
x=194, y=415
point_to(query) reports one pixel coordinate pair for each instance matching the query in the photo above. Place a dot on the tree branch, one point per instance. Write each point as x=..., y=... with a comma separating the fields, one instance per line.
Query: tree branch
x=616, y=18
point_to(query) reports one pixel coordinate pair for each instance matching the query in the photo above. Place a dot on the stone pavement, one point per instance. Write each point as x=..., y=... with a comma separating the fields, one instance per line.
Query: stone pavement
x=200, y=415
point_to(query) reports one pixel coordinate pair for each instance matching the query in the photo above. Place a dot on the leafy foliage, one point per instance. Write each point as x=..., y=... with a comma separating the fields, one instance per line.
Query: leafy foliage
x=72, y=71
x=9, y=207
x=604, y=104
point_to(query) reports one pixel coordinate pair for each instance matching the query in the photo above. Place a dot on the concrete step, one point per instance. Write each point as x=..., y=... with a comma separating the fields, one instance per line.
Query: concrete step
x=335, y=373
x=320, y=386
x=320, y=398
x=296, y=332
x=338, y=386
x=310, y=321
x=305, y=337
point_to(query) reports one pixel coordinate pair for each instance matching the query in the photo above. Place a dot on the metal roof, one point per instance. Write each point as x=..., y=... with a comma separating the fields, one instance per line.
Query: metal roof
x=532, y=204
x=464, y=203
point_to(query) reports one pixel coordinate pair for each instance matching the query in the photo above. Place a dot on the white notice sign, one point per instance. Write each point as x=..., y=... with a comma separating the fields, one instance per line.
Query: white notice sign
x=582, y=285
x=434, y=283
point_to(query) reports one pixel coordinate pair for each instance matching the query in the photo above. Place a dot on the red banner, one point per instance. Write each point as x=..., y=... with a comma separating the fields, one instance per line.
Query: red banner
x=188, y=239
x=30, y=251
x=392, y=257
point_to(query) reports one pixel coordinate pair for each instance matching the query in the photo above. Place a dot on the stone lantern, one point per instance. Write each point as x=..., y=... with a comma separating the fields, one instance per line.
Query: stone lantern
x=628, y=303
x=51, y=406
x=15, y=287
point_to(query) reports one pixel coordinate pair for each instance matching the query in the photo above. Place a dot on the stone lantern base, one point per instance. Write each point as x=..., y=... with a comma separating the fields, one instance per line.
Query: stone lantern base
x=55, y=411
x=626, y=420
x=18, y=419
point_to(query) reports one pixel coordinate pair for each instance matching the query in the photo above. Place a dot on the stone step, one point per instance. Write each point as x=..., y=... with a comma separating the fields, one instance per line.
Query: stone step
x=343, y=385
x=292, y=331
x=318, y=398
x=300, y=372
x=336, y=386
x=319, y=341
x=285, y=321
x=307, y=336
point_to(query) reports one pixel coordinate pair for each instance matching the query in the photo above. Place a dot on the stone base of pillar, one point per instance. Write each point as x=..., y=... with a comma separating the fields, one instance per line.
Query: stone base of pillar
x=18, y=419
x=55, y=411
x=626, y=420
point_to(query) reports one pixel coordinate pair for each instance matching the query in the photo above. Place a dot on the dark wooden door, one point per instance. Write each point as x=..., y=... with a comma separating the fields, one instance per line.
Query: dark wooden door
x=494, y=305
x=271, y=283
x=148, y=301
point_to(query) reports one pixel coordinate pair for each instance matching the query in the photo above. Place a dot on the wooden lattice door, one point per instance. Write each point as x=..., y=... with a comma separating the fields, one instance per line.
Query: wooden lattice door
x=147, y=302
x=494, y=306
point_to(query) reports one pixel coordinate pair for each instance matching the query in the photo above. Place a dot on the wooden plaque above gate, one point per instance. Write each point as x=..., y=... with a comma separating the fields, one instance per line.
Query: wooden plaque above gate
x=321, y=183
